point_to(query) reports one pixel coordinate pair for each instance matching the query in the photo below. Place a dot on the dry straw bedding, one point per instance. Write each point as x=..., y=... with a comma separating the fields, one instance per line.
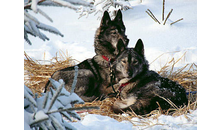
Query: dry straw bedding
x=37, y=73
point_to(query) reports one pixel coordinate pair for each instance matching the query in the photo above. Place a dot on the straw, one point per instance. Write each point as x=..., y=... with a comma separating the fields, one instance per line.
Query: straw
x=37, y=73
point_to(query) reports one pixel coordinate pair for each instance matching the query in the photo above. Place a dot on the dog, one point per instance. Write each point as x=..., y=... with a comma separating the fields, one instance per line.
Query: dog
x=108, y=35
x=93, y=74
x=140, y=88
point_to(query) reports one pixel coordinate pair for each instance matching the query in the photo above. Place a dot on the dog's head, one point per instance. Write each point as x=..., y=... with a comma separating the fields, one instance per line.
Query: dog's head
x=111, y=31
x=131, y=61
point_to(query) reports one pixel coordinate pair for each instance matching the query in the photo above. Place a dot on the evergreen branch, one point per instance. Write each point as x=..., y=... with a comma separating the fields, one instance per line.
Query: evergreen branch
x=49, y=28
x=45, y=100
x=75, y=79
x=29, y=97
x=34, y=5
x=55, y=96
x=26, y=37
x=29, y=18
x=73, y=108
x=45, y=15
x=40, y=116
x=56, y=123
x=64, y=3
x=28, y=5
x=65, y=114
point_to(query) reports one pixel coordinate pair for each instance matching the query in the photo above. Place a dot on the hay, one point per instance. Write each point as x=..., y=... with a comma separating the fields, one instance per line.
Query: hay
x=185, y=76
x=37, y=73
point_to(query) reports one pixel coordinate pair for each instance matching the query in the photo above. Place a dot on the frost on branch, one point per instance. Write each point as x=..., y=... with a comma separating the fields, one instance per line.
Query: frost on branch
x=47, y=111
x=111, y=6
x=31, y=24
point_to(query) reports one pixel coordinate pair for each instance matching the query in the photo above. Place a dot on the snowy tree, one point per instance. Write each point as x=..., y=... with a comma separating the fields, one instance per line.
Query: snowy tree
x=47, y=111
x=32, y=25
x=111, y=6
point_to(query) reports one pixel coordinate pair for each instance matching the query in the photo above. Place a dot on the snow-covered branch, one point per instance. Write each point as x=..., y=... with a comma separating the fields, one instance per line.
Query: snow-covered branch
x=111, y=6
x=32, y=25
x=47, y=112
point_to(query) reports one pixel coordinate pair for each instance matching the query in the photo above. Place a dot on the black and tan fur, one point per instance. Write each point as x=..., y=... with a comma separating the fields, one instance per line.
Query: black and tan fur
x=143, y=87
x=93, y=75
x=108, y=35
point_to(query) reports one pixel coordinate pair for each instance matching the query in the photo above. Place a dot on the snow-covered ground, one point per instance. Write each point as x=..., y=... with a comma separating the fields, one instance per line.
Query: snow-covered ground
x=158, y=39
x=98, y=122
x=171, y=41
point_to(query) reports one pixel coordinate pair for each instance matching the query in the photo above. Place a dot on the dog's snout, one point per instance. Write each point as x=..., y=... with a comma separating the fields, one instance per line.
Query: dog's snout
x=126, y=41
x=130, y=73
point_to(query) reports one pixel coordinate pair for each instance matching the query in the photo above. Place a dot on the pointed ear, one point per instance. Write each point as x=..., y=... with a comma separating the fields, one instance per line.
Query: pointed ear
x=118, y=16
x=139, y=47
x=105, y=19
x=120, y=46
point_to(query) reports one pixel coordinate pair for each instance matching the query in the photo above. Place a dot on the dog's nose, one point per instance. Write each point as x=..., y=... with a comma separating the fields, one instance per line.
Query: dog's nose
x=130, y=74
x=126, y=41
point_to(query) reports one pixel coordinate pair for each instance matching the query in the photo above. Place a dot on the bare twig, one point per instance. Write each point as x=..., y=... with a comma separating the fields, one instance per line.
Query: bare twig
x=74, y=108
x=167, y=16
x=153, y=16
x=163, y=10
x=176, y=21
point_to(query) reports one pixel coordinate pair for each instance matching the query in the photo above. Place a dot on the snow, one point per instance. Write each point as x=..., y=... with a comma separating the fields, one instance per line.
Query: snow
x=78, y=38
x=168, y=41
x=170, y=122
x=98, y=122
x=40, y=115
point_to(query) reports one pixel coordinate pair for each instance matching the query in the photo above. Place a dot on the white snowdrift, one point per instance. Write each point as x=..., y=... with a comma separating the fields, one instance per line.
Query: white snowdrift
x=98, y=122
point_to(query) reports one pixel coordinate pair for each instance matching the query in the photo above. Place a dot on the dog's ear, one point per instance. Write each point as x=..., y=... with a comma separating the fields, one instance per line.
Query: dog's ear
x=118, y=16
x=120, y=46
x=105, y=19
x=139, y=47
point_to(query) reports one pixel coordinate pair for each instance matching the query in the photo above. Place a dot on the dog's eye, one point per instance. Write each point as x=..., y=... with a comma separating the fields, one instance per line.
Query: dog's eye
x=123, y=61
x=114, y=33
x=135, y=62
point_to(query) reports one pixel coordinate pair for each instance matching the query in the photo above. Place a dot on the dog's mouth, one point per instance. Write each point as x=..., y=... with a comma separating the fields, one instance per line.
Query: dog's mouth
x=128, y=74
x=115, y=42
x=126, y=41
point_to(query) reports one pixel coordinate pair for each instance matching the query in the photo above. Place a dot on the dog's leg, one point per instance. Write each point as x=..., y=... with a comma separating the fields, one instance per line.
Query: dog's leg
x=124, y=104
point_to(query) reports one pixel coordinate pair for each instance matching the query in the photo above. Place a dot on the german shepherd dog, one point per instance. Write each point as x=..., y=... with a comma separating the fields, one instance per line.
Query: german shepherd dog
x=93, y=74
x=140, y=88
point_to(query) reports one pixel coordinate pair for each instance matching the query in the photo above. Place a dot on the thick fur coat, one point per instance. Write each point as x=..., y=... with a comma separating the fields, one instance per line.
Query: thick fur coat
x=93, y=74
x=140, y=89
